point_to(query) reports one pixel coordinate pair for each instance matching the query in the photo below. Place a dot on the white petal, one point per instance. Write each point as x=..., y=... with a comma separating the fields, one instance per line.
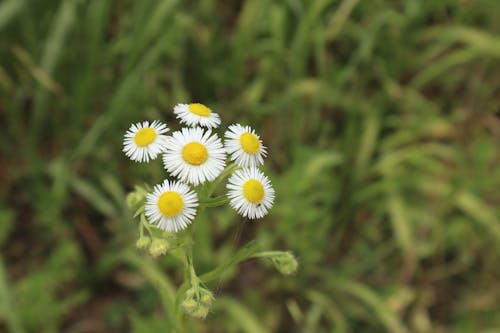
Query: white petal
x=236, y=152
x=149, y=152
x=191, y=119
x=175, y=164
x=238, y=201
x=171, y=223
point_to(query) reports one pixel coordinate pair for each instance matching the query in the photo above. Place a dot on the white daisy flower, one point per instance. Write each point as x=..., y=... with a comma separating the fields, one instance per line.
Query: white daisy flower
x=171, y=206
x=196, y=114
x=244, y=146
x=194, y=155
x=143, y=141
x=250, y=192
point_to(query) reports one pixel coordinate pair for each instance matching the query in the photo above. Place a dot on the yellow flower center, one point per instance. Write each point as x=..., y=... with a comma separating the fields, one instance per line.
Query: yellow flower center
x=145, y=136
x=250, y=143
x=194, y=153
x=170, y=204
x=253, y=191
x=199, y=109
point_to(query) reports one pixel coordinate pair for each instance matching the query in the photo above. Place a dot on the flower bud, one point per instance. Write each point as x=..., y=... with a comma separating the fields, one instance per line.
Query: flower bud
x=201, y=312
x=197, y=302
x=143, y=242
x=285, y=263
x=132, y=199
x=158, y=247
x=190, y=293
x=135, y=197
x=207, y=298
x=189, y=305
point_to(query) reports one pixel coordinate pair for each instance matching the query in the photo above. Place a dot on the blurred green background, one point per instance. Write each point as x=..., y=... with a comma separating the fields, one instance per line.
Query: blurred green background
x=381, y=119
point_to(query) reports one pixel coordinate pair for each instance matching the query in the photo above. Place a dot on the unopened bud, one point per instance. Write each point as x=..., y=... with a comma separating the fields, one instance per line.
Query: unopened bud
x=201, y=312
x=158, y=247
x=189, y=305
x=207, y=298
x=142, y=242
x=197, y=302
x=190, y=293
x=135, y=197
x=285, y=263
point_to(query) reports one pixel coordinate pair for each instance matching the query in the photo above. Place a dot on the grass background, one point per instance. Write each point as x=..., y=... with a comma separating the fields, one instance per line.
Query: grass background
x=381, y=119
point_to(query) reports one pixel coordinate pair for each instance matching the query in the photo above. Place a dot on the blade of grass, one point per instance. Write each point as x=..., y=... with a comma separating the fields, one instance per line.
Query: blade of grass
x=94, y=196
x=479, y=211
x=240, y=315
x=129, y=85
x=53, y=51
x=5, y=80
x=41, y=76
x=8, y=11
x=159, y=281
x=331, y=309
x=6, y=305
x=379, y=307
x=339, y=18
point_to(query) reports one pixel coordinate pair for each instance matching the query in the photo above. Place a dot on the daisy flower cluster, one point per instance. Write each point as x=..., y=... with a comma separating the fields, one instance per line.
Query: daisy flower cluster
x=197, y=161
x=196, y=156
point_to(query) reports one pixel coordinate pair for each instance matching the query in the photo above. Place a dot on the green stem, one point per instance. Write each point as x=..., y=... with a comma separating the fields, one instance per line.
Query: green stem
x=227, y=171
x=214, y=202
x=190, y=273
x=267, y=254
x=190, y=277
x=248, y=251
x=144, y=224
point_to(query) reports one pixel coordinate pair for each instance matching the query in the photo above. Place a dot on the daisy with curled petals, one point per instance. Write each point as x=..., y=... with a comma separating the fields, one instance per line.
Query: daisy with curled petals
x=244, y=146
x=144, y=141
x=171, y=206
x=250, y=192
x=194, y=155
x=196, y=114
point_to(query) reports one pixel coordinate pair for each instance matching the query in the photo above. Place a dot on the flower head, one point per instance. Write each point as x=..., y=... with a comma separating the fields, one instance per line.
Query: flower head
x=143, y=242
x=144, y=141
x=196, y=114
x=158, y=247
x=194, y=155
x=172, y=206
x=250, y=193
x=197, y=301
x=244, y=146
x=285, y=262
